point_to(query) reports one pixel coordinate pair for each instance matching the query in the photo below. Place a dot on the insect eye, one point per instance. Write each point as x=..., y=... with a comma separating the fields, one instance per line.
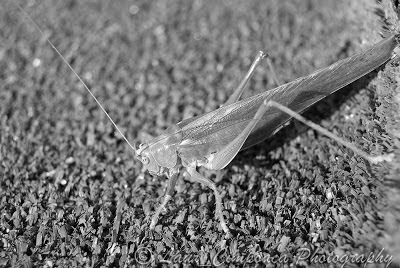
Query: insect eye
x=145, y=160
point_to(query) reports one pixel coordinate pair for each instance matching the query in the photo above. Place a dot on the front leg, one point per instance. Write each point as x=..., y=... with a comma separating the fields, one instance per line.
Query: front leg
x=168, y=195
x=218, y=200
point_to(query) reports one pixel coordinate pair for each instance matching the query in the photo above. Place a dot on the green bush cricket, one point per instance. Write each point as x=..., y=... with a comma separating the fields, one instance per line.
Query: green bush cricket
x=213, y=139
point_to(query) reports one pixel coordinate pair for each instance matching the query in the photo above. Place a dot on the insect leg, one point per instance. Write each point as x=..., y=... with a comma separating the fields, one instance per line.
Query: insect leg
x=239, y=90
x=372, y=159
x=272, y=68
x=218, y=200
x=168, y=195
x=256, y=62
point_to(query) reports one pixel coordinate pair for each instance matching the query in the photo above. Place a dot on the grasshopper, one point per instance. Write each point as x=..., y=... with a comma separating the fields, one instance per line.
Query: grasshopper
x=213, y=139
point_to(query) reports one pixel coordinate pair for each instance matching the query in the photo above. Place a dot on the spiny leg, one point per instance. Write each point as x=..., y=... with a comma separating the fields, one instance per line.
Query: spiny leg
x=168, y=195
x=218, y=200
x=272, y=68
x=223, y=158
x=372, y=159
x=256, y=62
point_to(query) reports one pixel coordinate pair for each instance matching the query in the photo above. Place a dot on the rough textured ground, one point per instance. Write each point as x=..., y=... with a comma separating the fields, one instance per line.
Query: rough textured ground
x=72, y=193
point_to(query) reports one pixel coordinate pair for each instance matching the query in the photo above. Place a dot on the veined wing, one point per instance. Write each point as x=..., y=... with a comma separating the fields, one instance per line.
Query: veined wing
x=212, y=131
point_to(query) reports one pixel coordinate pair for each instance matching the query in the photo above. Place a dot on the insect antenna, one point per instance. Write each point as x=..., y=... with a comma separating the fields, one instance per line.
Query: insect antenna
x=75, y=73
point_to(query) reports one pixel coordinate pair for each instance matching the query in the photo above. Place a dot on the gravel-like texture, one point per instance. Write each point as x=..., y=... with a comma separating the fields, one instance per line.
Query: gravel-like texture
x=72, y=193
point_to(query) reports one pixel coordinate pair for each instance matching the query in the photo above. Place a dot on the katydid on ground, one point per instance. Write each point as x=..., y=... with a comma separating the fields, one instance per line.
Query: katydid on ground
x=213, y=139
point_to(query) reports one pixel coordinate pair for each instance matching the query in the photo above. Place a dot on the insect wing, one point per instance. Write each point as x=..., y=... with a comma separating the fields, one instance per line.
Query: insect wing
x=212, y=131
x=304, y=92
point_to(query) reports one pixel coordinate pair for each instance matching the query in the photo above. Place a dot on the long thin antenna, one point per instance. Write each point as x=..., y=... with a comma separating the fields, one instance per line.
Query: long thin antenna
x=72, y=69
